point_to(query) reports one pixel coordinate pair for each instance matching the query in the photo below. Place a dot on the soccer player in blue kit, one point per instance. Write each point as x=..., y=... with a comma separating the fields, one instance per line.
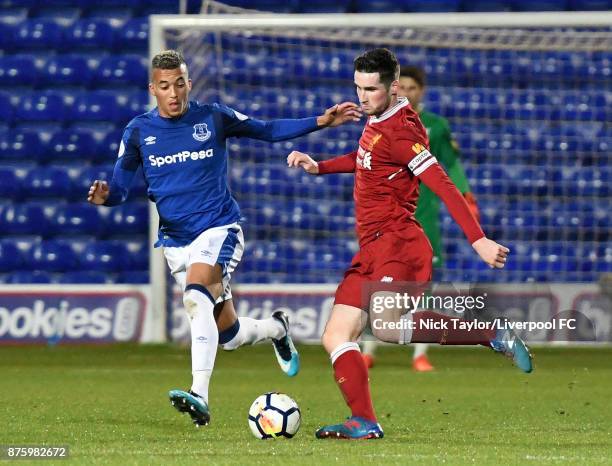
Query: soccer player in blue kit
x=181, y=146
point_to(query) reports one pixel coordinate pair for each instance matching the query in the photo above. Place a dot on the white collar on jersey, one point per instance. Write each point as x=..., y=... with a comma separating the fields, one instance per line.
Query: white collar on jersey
x=401, y=103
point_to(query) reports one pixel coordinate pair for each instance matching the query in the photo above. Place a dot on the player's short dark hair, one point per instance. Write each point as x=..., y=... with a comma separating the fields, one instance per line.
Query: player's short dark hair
x=168, y=60
x=381, y=61
x=414, y=72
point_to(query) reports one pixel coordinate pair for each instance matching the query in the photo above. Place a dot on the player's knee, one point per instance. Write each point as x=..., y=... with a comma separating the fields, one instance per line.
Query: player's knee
x=331, y=338
x=190, y=302
x=386, y=334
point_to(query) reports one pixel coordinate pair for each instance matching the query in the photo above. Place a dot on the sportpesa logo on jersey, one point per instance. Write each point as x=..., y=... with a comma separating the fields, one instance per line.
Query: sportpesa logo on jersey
x=179, y=157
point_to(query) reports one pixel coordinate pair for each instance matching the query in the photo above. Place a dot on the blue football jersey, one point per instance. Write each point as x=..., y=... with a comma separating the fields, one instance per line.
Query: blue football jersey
x=184, y=161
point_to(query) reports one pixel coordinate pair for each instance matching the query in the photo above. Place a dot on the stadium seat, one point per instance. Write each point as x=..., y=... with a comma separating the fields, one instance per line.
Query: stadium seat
x=76, y=220
x=134, y=35
x=131, y=104
x=322, y=6
x=378, y=6
x=10, y=256
x=23, y=146
x=52, y=256
x=22, y=219
x=431, y=6
x=26, y=276
x=10, y=184
x=119, y=70
x=539, y=5
x=42, y=106
x=92, y=34
x=83, y=276
x=47, y=183
x=18, y=70
x=66, y=70
x=592, y=5
x=485, y=5
x=96, y=106
x=64, y=15
x=128, y=219
x=72, y=146
x=38, y=34
x=13, y=15
x=105, y=256
x=136, y=277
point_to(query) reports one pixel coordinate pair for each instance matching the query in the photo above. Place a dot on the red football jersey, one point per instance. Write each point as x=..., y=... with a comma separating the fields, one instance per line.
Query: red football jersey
x=393, y=153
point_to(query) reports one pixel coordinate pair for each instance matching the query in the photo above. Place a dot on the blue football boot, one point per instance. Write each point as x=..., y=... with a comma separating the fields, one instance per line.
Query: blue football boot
x=286, y=354
x=190, y=403
x=510, y=345
x=354, y=428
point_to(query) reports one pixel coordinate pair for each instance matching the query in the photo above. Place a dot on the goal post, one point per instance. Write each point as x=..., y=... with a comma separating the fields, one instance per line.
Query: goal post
x=524, y=93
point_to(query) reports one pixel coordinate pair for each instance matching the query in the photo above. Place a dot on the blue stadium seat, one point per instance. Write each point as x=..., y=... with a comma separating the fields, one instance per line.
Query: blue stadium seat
x=26, y=276
x=131, y=104
x=42, y=34
x=52, y=256
x=43, y=106
x=539, y=5
x=92, y=34
x=485, y=5
x=7, y=106
x=10, y=184
x=96, y=106
x=128, y=219
x=76, y=220
x=134, y=35
x=105, y=256
x=136, y=277
x=47, y=183
x=89, y=174
x=23, y=146
x=18, y=70
x=64, y=15
x=83, y=276
x=322, y=6
x=66, y=70
x=72, y=146
x=22, y=219
x=122, y=70
x=119, y=14
x=592, y=5
x=431, y=6
x=12, y=15
x=10, y=256
x=378, y=6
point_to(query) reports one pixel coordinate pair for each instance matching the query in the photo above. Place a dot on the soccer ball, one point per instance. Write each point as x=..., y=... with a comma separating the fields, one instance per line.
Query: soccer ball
x=273, y=415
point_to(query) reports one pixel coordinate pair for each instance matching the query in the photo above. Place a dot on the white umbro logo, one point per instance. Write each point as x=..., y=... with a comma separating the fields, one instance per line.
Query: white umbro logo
x=150, y=140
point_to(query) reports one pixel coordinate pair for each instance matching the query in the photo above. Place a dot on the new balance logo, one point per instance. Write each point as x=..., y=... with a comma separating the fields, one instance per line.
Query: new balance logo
x=386, y=279
x=150, y=140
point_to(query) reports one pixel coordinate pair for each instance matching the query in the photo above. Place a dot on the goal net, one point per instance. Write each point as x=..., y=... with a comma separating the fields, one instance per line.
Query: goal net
x=528, y=98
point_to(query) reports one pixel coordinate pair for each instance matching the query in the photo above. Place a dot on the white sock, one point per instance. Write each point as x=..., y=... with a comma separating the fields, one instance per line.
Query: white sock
x=419, y=350
x=251, y=331
x=204, y=339
x=369, y=347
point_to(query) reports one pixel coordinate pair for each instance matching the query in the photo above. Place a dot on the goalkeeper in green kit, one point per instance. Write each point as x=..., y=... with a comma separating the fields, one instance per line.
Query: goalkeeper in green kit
x=445, y=149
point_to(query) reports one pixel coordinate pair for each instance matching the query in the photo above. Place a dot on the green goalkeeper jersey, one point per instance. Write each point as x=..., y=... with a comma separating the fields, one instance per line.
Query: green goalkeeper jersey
x=445, y=149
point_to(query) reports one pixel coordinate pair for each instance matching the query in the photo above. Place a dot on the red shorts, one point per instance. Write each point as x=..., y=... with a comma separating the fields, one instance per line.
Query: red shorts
x=401, y=256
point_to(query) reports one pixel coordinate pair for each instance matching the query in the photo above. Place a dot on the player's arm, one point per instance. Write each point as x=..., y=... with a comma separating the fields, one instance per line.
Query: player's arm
x=100, y=193
x=341, y=164
x=239, y=125
x=448, y=154
x=425, y=166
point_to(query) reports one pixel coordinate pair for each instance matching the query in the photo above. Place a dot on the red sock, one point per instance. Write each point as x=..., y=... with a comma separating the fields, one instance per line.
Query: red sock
x=351, y=375
x=448, y=336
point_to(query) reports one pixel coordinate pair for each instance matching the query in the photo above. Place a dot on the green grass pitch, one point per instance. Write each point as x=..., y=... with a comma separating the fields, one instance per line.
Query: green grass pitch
x=109, y=405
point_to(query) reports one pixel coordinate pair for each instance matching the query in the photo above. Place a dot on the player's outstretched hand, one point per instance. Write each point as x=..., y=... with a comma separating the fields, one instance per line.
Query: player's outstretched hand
x=340, y=114
x=492, y=253
x=98, y=192
x=299, y=159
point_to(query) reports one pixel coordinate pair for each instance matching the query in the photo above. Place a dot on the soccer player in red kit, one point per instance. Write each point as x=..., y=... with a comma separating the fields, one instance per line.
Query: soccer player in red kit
x=392, y=158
